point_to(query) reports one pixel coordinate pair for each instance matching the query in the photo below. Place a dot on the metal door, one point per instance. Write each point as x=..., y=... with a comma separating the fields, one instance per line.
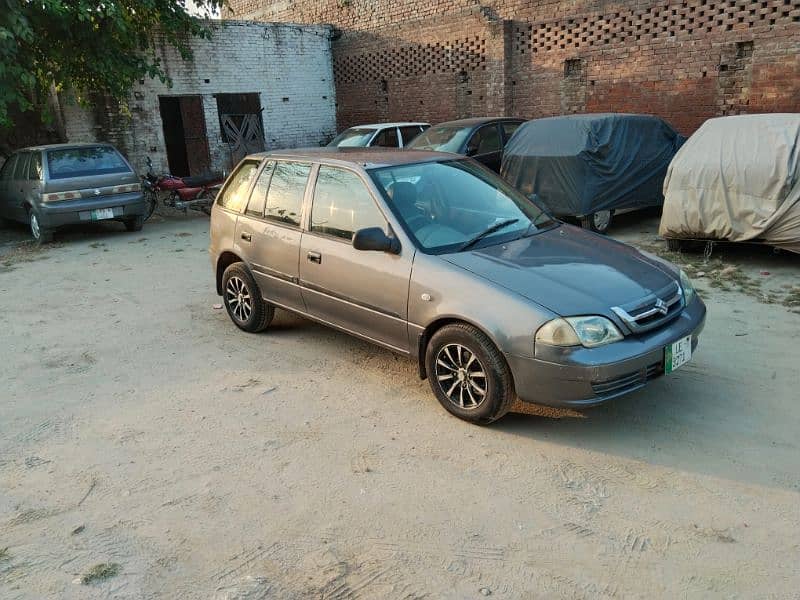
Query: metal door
x=194, y=133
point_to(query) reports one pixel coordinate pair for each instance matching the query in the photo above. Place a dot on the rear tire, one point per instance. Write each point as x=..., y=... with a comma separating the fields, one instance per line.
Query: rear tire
x=598, y=222
x=135, y=224
x=40, y=234
x=468, y=374
x=243, y=301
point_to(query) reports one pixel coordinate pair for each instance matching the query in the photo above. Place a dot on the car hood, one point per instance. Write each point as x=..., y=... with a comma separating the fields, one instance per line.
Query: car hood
x=568, y=270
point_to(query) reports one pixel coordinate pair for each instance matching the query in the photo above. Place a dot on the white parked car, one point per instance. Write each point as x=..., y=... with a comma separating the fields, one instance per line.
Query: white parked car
x=386, y=135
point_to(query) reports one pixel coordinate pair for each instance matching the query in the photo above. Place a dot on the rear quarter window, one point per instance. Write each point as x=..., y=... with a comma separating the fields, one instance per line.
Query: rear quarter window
x=7, y=171
x=85, y=161
x=236, y=192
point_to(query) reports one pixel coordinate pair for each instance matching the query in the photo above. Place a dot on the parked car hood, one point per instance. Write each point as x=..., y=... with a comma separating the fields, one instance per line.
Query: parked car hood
x=568, y=270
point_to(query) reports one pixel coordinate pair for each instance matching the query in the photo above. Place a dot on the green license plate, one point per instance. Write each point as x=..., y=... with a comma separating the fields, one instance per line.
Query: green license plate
x=677, y=354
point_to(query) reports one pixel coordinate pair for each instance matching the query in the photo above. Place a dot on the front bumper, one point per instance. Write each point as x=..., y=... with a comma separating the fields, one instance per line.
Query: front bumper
x=578, y=377
x=68, y=212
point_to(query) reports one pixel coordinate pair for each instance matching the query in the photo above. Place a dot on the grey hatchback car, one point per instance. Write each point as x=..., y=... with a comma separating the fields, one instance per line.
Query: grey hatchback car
x=62, y=184
x=433, y=256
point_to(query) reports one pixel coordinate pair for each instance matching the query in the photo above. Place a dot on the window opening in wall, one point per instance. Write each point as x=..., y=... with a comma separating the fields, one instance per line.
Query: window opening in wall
x=744, y=50
x=573, y=67
x=241, y=124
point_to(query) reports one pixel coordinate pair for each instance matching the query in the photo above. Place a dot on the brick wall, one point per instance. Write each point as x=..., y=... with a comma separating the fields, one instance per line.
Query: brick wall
x=684, y=60
x=289, y=67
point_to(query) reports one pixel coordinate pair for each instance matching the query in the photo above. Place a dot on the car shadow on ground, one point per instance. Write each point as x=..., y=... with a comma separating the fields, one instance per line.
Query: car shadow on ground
x=14, y=235
x=702, y=419
x=683, y=422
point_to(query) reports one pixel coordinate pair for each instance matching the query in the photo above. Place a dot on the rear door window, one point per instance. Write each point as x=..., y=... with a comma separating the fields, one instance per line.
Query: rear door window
x=409, y=133
x=387, y=138
x=509, y=128
x=21, y=169
x=484, y=141
x=35, y=166
x=235, y=194
x=286, y=192
x=85, y=161
x=255, y=208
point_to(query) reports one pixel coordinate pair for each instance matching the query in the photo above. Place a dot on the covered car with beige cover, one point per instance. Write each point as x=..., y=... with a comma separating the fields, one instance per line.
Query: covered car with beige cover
x=737, y=179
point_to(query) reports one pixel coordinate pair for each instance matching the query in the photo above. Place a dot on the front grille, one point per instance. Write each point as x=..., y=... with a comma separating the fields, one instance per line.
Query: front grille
x=628, y=382
x=653, y=310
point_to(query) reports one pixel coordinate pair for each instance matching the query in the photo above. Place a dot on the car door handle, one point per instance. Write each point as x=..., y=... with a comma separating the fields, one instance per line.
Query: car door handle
x=247, y=236
x=314, y=257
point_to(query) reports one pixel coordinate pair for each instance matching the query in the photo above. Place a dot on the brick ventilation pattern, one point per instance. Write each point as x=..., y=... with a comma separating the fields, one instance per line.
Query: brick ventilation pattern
x=467, y=54
x=660, y=21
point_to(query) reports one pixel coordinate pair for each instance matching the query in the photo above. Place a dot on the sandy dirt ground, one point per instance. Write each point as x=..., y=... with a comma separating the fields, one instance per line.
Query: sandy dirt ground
x=149, y=449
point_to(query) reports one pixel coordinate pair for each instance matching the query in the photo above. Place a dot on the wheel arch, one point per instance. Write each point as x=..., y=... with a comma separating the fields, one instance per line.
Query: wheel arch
x=434, y=326
x=225, y=260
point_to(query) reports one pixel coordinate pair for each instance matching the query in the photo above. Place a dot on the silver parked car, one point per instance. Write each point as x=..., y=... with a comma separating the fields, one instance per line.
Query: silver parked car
x=61, y=184
x=385, y=135
x=435, y=257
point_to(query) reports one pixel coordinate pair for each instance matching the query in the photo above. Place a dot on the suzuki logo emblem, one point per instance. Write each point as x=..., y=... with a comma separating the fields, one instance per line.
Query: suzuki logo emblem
x=661, y=306
x=97, y=192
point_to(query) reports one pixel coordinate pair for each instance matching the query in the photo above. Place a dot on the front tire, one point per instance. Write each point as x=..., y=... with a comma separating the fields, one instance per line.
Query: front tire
x=468, y=374
x=41, y=235
x=598, y=222
x=243, y=300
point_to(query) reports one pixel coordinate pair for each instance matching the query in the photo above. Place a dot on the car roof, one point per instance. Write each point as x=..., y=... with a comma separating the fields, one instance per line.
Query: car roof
x=369, y=158
x=64, y=146
x=473, y=121
x=384, y=125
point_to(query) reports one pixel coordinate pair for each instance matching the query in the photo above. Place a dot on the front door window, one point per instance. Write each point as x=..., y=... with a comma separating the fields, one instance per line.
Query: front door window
x=342, y=205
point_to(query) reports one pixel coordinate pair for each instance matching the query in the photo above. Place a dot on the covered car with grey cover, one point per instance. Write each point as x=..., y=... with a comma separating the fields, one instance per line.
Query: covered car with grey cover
x=588, y=166
x=737, y=179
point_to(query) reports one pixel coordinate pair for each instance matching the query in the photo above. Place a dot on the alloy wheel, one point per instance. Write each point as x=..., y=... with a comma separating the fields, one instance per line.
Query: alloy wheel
x=601, y=220
x=36, y=231
x=461, y=376
x=239, y=299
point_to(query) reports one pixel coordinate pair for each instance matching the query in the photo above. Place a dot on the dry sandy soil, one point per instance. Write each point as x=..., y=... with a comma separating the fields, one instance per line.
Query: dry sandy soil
x=140, y=430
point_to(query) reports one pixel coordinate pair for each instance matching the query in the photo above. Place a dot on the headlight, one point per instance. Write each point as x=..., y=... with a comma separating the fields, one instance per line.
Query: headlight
x=572, y=331
x=688, y=288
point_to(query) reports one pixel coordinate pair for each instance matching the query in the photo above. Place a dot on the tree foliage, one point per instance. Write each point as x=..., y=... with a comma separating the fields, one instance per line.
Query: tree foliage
x=89, y=46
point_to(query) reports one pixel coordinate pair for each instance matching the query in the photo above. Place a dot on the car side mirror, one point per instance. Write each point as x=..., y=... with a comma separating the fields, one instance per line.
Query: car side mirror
x=375, y=238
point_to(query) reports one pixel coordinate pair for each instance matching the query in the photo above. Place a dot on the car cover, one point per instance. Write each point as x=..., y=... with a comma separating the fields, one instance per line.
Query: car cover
x=580, y=164
x=737, y=179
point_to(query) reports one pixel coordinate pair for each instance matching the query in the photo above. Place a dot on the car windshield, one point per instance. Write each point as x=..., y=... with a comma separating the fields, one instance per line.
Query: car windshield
x=355, y=137
x=442, y=138
x=84, y=161
x=451, y=206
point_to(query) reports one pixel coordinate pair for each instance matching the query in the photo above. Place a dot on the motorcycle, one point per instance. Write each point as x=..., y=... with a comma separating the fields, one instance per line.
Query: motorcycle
x=197, y=193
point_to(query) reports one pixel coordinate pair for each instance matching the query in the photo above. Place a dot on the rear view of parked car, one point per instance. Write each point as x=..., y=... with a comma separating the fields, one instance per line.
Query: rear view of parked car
x=481, y=138
x=588, y=166
x=737, y=179
x=50, y=186
x=384, y=135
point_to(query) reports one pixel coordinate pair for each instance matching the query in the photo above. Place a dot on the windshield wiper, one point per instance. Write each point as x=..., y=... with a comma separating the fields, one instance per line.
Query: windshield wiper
x=488, y=231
